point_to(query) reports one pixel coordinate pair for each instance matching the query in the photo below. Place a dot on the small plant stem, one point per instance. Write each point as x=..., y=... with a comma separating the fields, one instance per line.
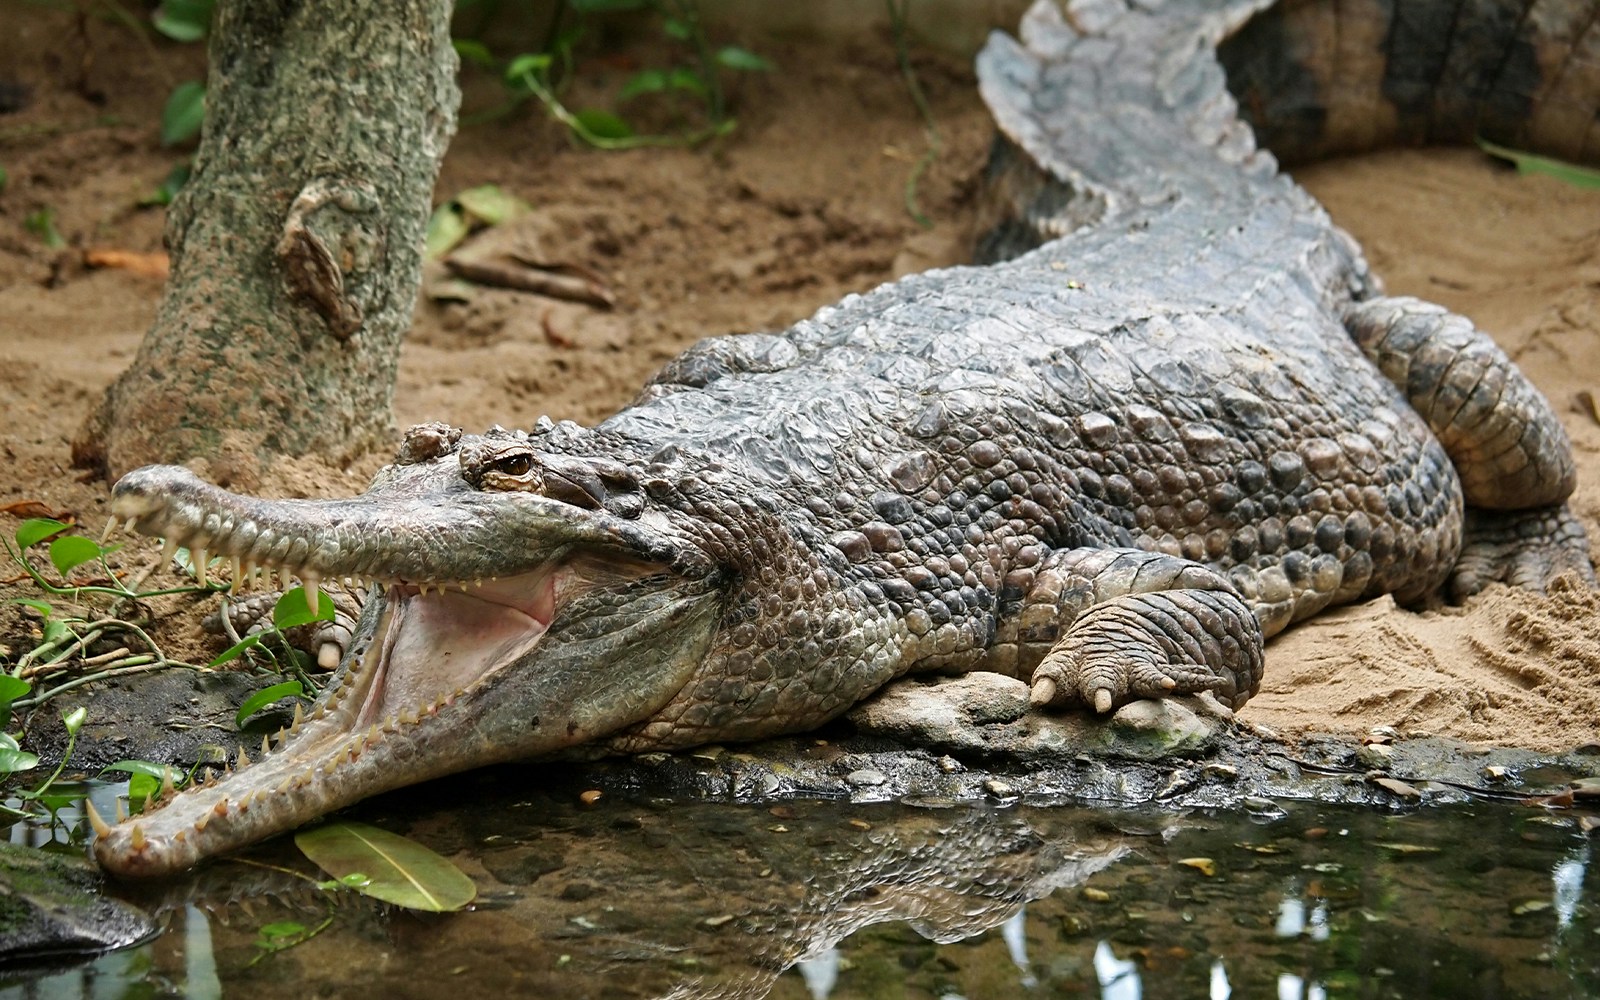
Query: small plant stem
x=66, y=755
x=559, y=112
x=24, y=665
x=130, y=666
x=689, y=12
x=902, y=51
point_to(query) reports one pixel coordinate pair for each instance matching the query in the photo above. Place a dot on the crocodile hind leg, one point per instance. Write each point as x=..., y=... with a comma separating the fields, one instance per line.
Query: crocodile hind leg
x=1508, y=447
x=1103, y=627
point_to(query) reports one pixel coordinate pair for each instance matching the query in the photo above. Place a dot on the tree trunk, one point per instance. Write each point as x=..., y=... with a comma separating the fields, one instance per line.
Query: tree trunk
x=297, y=243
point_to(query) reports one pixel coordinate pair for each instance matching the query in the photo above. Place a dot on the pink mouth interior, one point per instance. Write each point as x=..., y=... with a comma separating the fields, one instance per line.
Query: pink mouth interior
x=434, y=645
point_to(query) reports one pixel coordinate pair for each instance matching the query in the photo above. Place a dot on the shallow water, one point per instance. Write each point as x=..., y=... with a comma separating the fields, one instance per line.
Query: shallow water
x=822, y=899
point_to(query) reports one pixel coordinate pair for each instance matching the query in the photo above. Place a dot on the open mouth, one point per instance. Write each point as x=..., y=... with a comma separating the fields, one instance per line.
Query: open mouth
x=435, y=646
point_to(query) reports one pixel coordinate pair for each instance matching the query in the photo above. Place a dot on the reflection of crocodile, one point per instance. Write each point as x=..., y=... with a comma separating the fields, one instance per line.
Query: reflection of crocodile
x=1112, y=464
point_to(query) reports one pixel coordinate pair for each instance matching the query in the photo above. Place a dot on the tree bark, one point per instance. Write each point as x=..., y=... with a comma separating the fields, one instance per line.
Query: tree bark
x=297, y=243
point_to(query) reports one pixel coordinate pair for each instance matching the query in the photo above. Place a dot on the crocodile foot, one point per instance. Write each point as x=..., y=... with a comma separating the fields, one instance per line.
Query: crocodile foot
x=1151, y=645
x=1523, y=548
x=326, y=641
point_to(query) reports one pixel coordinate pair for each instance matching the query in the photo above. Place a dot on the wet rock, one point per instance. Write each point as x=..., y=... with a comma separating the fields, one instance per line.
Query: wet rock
x=866, y=778
x=51, y=907
x=1399, y=789
x=1152, y=730
x=949, y=711
x=522, y=865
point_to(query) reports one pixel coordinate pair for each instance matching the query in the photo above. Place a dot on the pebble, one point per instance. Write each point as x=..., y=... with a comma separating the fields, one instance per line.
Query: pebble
x=866, y=778
x=1398, y=789
x=999, y=789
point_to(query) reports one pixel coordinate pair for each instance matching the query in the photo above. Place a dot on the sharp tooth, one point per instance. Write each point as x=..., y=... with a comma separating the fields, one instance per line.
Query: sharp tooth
x=391, y=725
x=111, y=525
x=180, y=836
x=299, y=717
x=169, y=551
x=374, y=734
x=244, y=759
x=201, y=557
x=318, y=712
x=311, y=581
x=247, y=572
x=98, y=825
x=238, y=576
x=266, y=745
x=283, y=734
x=122, y=814
x=284, y=786
x=166, y=779
x=132, y=527
x=200, y=824
x=136, y=838
x=221, y=808
x=409, y=717
x=478, y=582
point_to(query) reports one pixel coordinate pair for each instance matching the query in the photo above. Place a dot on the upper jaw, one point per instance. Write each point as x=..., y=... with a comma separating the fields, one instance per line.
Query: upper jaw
x=422, y=525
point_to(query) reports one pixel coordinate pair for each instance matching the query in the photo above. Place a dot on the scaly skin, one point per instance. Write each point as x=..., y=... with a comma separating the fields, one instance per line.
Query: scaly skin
x=1112, y=465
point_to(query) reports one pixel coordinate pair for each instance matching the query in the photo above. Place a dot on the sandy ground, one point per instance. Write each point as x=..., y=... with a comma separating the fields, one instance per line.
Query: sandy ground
x=801, y=205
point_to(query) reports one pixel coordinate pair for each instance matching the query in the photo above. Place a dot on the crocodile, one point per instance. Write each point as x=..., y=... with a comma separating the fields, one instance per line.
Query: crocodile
x=1169, y=415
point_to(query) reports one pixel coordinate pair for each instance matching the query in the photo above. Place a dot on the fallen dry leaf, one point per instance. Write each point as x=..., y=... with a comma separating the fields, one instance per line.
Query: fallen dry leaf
x=150, y=265
x=34, y=508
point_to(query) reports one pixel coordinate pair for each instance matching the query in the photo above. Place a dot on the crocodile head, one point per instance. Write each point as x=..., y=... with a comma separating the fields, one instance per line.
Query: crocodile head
x=519, y=603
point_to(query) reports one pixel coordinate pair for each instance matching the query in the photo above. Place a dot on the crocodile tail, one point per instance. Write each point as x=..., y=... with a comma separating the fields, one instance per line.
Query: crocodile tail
x=1323, y=77
x=1103, y=105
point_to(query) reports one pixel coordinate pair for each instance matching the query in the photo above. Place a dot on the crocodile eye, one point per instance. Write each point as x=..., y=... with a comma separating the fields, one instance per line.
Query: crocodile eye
x=514, y=465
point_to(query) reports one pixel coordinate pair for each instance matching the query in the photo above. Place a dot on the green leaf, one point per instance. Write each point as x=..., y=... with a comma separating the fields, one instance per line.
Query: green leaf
x=55, y=631
x=4, y=177
x=734, y=57
x=141, y=789
x=73, y=720
x=183, y=20
x=446, y=227
x=646, y=81
x=474, y=52
x=149, y=769
x=234, y=651
x=602, y=125
x=266, y=696
x=42, y=223
x=282, y=929
x=528, y=63
x=678, y=28
x=401, y=871
x=37, y=529
x=185, y=111
x=12, y=688
x=43, y=607
x=292, y=609
x=492, y=204
x=687, y=79
x=1531, y=163
x=71, y=551
x=13, y=760
x=168, y=189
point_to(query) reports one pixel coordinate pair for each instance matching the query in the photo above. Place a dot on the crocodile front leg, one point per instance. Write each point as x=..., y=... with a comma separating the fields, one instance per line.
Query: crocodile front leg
x=1103, y=627
x=326, y=641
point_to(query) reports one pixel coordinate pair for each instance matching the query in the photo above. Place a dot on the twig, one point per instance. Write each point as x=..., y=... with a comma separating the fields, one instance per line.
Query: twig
x=902, y=51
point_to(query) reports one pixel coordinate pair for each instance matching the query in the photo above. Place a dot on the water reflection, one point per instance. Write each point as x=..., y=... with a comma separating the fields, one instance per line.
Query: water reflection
x=826, y=901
